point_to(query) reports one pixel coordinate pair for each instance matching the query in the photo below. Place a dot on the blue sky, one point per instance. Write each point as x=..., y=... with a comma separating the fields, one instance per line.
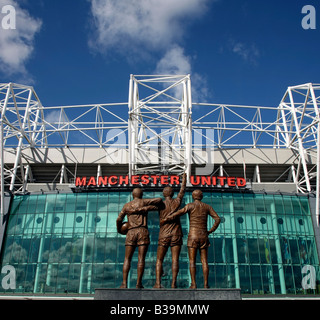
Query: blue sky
x=83, y=51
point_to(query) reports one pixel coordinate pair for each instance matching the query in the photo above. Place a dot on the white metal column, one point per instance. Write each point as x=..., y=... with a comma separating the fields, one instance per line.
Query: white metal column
x=160, y=109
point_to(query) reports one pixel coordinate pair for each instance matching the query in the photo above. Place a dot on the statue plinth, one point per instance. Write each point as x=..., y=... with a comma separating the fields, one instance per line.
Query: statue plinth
x=167, y=294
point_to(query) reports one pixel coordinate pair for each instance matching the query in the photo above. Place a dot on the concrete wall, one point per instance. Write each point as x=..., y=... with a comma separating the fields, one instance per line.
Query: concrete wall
x=121, y=156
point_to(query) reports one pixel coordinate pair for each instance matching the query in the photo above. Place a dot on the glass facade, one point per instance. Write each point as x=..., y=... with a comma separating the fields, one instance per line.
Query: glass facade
x=68, y=243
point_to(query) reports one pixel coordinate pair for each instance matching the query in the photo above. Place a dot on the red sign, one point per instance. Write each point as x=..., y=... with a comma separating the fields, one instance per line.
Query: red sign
x=163, y=180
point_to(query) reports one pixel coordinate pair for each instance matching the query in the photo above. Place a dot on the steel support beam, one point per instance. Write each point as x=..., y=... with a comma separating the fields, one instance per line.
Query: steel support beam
x=160, y=124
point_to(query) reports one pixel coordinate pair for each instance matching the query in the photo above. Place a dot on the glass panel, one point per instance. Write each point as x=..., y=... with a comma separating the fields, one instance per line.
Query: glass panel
x=62, y=278
x=12, y=223
x=34, y=250
x=253, y=250
x=71, y=203
x=219, y=250
x=226, y=223
x=243, y=251
x=41, y=203
x=278, y=201
x=111, y=223
x=256, y=279
x=23, y=207
x=251, y=223
x=238, y=204
x=38, y=223
x=267, y=280
x=54, y=249
x=73, y=283
x=81, y=204
x=305, y=210
x=259, y=204
x=113, y=203
x=245, y=279
x=296, y=208
x=69, y=222
x=15, y=205
x=217, y=203
x=249, y=203
x=50, y=203
x=287, y=204
x=240, y=221
x=40, y=278
x=51, y=278
x=289, y=280
x=7, y=249
x=79, y=221
x=57, y=222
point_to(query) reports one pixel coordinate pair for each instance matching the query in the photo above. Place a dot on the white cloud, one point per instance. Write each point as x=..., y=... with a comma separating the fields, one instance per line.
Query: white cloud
x=145, y=24
x=17, y=45
x=175, y=61
x=139, y=28
x=249, y=53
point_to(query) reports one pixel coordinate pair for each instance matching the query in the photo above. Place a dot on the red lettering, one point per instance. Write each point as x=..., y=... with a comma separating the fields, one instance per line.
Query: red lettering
x=241, y=182
x=206, y=180
x=113, y=180
x=222, y=180
x=102, y=181
x=92, y=182
x=195, y=182
x=214, y=181
x=164, y=179
x=81, y=181
x=145, y=179
x=124, y=180
x=231, y=182
x=135, y=180
x=154, y=179
x=174, y=180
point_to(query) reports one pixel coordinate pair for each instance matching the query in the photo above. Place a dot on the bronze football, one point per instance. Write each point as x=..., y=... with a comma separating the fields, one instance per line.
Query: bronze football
x=124, y=228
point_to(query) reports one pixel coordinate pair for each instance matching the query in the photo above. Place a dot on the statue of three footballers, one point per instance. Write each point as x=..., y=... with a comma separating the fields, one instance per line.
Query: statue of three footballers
x=170, y=234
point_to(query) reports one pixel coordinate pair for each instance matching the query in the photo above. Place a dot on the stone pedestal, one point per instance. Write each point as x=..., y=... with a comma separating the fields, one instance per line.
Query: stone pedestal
x=167, y=294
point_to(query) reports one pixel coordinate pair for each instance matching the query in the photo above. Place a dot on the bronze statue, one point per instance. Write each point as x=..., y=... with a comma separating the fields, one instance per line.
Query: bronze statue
x=198, y=233
x=137, y=233
x=170, y=234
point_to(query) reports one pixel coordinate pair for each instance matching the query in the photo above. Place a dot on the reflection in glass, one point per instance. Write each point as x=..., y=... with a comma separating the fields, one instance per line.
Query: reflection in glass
x=68, y=243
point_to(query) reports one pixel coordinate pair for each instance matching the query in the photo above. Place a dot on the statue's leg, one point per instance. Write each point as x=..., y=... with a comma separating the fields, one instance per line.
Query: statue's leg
x=175, y=253
x=161, y=252
x=126, y=265
x=142, y=251
x=192, y=252
x=205, y=267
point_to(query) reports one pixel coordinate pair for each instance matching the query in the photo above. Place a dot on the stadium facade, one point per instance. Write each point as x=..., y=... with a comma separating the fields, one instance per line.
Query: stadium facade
x=67, y=171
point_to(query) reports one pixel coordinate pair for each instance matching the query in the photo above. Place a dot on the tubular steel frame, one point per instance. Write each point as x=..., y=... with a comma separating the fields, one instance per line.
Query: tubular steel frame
x=160, y=134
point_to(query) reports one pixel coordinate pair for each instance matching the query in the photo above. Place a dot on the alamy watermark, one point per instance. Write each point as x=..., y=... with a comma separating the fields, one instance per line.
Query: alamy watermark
x=308, y=274
x=309, y=280
x=8, y=17
x=9, y=280
x=309, y=20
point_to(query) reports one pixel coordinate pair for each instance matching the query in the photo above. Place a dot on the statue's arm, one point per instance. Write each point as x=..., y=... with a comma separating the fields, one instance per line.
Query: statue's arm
x=152, y=202
x=174, y=215
x=120, y=218
x=183, y=187
x=145, y=209
x=216, y=218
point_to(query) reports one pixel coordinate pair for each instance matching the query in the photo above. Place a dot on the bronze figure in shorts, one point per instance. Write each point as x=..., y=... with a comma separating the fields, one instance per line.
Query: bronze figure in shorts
x=137, y=234
x=170, y=234
x=198, y=233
